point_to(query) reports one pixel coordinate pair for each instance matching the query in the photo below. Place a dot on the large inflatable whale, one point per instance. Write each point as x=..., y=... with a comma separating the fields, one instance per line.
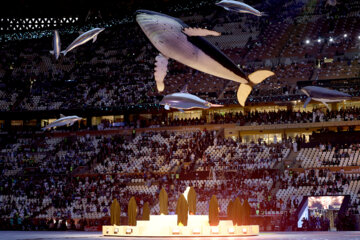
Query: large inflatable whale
x=324, y=95
x=183, y=100
x=174, y=39
x=62, y=121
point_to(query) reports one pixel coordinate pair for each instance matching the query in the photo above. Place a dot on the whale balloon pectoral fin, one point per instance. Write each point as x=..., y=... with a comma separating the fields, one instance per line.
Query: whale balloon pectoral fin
x=161, y=63
x=243, y=93
x=326, y=105
x=200, y=32
x=184, y=89
x=259, y=76
x=62, y=115
x=307, y=102
x=94, y=39
x=51, y=52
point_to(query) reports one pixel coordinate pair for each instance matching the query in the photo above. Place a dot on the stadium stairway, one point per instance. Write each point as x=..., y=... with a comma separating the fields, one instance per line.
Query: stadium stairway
x=222, y=92
x=276, y=187
x=19, y=100
x=290, y=160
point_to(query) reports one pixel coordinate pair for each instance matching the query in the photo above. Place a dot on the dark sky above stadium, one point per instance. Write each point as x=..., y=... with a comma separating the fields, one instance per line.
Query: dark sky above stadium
x=46, y=8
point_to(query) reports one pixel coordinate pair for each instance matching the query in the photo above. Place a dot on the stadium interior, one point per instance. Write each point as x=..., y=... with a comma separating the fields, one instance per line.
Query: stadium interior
x=273, y=154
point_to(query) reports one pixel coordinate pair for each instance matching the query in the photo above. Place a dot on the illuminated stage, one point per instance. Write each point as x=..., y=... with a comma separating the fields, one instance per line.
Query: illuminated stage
x=165, y=226
x=72, y=235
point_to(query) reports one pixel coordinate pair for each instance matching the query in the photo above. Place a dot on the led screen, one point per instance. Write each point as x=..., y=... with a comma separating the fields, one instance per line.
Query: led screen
x=325, y=202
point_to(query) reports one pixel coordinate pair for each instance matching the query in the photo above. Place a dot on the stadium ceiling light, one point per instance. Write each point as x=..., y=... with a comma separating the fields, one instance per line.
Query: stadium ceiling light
x=307, y=41
x=331, y=39
x=358, y=37
x=345, y=35
x=319, y=40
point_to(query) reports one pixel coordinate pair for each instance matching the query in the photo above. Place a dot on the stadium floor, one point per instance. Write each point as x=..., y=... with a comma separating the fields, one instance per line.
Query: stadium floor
x=19, y=235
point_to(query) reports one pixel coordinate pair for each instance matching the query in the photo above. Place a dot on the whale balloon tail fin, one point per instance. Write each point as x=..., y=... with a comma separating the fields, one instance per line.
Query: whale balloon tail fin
x=255, y=78
x=64, y=52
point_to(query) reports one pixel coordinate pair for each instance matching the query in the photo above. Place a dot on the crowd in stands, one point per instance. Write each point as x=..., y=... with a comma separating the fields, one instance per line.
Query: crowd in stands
x=240, y=118
x=266, y=117
x=64, y=194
